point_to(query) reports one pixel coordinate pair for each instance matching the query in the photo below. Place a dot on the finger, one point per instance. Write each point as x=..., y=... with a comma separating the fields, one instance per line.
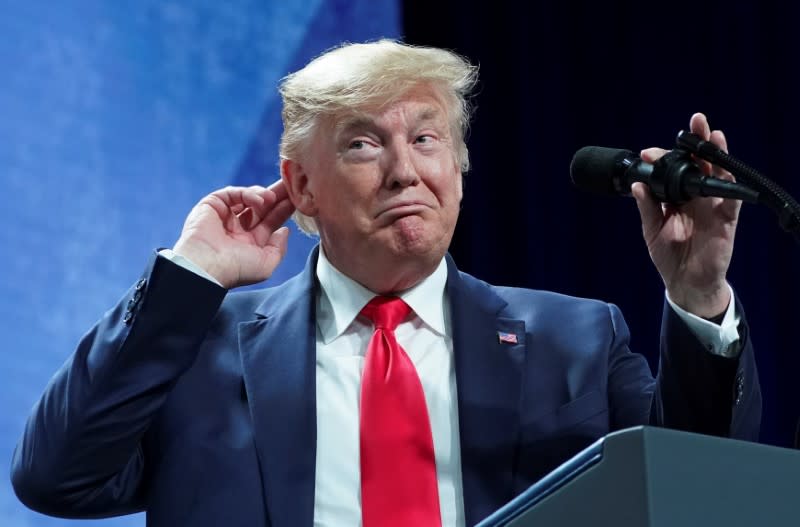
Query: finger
x=719, y=139
x=698, y=124
x=252, y=196
x=279, y=189
x=259, y=201
x=650, y=211
x=729, y=208
x=651, y=155
x=275, y=249
x=268, y=197
x=226, y=205
x=273, y=214
x=270, y=223
x=229, y=195
x=278, y=239
x=248, y=207
x=232, y=196
x=279, y=214
x=253, y=207
x=221, y=202
x=273, y=193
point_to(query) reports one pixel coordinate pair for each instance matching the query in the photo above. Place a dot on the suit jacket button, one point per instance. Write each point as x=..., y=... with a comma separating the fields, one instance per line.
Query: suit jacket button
x=140, y=284
x=739, y=390
x=128, y=318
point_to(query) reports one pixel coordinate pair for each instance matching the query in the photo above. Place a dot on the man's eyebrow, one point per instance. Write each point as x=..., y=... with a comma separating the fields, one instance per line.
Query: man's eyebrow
x=365, y=121
x=353, y=123
x=429, y=113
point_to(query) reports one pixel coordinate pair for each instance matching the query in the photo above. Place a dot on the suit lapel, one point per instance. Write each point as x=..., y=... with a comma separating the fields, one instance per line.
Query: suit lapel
x=278, y=353
x=489, y=379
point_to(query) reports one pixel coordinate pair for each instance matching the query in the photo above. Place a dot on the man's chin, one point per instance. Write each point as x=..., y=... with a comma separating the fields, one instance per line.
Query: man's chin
x=413, y=237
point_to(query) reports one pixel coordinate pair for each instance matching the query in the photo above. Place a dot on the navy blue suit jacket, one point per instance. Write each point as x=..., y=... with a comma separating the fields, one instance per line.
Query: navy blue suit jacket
x=199, y=407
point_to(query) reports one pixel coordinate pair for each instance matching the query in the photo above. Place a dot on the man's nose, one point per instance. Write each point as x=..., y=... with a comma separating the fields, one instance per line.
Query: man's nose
x=400, y=170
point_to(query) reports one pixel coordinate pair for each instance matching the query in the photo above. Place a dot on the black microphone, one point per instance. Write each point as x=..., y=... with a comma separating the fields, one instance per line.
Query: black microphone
x=673, y=179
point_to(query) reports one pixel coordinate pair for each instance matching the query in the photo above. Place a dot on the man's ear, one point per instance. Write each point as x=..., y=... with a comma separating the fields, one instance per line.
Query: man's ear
x=296, y=181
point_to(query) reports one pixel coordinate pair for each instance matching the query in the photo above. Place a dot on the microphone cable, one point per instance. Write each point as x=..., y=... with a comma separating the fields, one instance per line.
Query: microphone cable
x=770, y=193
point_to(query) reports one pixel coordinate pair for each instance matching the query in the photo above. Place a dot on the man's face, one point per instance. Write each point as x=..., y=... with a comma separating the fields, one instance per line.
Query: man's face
x=384, y=187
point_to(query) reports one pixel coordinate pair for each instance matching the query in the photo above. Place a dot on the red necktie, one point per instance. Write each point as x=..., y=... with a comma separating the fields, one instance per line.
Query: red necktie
x=398, y=468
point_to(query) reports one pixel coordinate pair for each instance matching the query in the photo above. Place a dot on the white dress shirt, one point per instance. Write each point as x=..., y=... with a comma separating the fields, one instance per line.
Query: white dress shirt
x=342, y=338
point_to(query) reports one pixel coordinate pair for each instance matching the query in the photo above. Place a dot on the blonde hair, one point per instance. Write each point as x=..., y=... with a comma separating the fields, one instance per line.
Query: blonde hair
x=355, y=77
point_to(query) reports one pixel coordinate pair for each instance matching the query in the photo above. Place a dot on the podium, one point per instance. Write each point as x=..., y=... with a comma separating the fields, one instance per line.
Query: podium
x=646, y=476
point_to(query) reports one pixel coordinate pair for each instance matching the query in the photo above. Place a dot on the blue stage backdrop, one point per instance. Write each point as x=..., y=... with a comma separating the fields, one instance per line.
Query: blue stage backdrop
x=116, y=119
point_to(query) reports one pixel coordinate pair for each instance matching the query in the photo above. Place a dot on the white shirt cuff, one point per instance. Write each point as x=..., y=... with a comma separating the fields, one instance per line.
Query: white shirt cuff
x=186, y=263
x=717, y=339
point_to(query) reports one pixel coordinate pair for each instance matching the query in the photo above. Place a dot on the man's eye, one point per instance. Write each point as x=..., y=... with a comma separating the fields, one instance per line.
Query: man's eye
x=357, y=144
x=424, y=139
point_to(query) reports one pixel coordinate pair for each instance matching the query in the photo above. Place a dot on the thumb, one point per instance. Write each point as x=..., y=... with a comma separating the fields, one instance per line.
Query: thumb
x=275, y=249
x=650, y=210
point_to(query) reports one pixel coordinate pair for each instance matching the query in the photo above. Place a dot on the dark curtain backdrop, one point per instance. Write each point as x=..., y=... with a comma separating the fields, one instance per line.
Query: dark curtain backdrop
x=557, y=76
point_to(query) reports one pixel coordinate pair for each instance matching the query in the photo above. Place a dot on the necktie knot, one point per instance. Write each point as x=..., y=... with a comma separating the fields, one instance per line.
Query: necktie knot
x=386, y=312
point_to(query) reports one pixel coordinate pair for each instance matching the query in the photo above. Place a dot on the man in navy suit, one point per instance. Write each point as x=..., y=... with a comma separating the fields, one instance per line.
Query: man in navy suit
x=209, y=407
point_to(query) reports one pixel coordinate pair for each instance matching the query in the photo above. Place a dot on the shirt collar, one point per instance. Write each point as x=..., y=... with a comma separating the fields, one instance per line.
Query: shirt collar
x=342, y=299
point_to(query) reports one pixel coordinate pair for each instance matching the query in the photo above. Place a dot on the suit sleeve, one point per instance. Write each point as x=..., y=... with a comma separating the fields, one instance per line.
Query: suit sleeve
x=701, y=392
x=695, y=390
x=81, y=453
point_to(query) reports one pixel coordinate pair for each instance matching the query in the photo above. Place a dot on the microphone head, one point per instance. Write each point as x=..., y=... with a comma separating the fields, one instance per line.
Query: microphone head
x=598, y=169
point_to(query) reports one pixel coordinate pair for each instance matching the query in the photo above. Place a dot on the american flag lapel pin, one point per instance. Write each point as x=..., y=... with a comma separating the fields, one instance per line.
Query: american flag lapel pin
x=506, y=338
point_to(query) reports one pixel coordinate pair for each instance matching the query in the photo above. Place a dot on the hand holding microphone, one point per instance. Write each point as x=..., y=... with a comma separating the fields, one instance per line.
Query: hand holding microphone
x=689, y=240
